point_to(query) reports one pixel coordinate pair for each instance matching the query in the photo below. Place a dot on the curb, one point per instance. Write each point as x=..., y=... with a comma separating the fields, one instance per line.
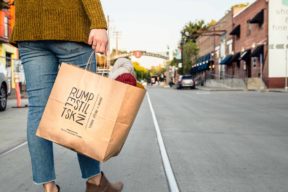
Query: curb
x=244, y=90
x=219, y=89
x=277, y=91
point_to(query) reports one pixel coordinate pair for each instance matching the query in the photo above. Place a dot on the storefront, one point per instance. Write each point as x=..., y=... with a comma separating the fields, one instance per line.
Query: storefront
x=10, y=60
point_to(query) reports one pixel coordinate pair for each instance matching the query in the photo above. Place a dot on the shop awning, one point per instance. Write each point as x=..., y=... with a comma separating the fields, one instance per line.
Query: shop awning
x=194, y=69
x=236, y=31
x=202, y=64
x=258, y=51
x=226, y=60
x=236, y=57
x=199, y=68
x=245, y=55
x=258, y=18
x=203, y=67
x=204, y=59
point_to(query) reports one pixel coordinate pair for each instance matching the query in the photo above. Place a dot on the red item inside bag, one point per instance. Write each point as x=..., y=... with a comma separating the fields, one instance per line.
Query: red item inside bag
x=127, y=78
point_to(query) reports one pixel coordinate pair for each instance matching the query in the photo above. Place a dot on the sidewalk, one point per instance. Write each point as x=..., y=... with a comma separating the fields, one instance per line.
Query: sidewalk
x=13, y=95
x=218, y=89
x=278, y=90
x=230, y=89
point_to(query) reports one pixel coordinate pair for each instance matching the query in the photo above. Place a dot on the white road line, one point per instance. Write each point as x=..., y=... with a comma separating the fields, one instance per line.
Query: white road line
x=203, y=92
x=13, y=149
x=168, y=170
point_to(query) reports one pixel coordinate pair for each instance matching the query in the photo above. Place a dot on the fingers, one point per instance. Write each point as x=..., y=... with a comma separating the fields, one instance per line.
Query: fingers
x=107, y=49
x=98, y=40
x=99, y=47
x=90, y=40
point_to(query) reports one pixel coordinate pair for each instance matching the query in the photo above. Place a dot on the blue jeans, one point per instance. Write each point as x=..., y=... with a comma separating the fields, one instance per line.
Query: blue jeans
x=41, y=60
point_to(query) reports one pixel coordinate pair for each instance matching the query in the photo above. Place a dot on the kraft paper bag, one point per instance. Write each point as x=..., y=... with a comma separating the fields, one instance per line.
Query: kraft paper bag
x=89, y=113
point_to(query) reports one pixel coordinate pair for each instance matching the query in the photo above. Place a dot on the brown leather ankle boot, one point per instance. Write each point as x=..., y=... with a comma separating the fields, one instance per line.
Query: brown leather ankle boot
x=104, y=186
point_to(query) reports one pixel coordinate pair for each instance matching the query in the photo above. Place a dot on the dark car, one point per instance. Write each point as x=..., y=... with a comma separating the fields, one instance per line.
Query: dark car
x=186, y=81
x=4, y=90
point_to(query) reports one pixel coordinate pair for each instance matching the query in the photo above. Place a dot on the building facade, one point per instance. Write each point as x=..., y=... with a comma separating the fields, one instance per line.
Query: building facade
x=253, y=43
x=218, y=43
x=9, y=56
x=250, y=36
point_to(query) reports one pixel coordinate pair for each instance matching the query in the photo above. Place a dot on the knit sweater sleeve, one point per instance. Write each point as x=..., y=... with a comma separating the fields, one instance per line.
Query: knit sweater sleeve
x=95, y=13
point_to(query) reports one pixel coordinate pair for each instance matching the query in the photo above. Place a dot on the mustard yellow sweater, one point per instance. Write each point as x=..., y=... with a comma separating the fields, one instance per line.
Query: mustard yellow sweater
x=68, y=20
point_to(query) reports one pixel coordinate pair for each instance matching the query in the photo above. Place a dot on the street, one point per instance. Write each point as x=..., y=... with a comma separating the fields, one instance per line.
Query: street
x=216, y=141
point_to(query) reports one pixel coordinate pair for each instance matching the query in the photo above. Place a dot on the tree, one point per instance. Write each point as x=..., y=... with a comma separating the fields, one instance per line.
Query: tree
x=189, y=36
x=212, y=23
x=141, y=72
x=157, y=70
x=192, y=30
x=174, y=62
x=190, y=53
x=240, y=5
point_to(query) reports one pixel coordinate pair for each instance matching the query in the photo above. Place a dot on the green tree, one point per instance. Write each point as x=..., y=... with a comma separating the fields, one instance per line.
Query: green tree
x=212, y=23
x=192, y=30
x=157, y=70
x=189, y=36
x=190, y=52
x=240, y=5
x=174, y=62
x=141, y=72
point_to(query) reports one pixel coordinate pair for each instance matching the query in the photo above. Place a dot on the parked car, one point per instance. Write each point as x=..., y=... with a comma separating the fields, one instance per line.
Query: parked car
x=185, y=81
x=4, y=88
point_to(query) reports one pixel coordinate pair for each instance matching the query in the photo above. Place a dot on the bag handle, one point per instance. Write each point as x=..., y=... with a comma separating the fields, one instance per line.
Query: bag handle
x=89, y=63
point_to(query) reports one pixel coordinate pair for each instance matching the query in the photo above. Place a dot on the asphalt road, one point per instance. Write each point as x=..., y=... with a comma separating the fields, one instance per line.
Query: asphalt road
x=215, y=141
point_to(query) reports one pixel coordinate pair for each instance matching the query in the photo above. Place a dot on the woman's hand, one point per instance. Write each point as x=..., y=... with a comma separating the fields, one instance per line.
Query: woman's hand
x=98, y=39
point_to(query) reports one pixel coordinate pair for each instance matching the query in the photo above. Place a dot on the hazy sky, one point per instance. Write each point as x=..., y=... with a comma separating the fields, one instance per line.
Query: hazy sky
x=152, y=25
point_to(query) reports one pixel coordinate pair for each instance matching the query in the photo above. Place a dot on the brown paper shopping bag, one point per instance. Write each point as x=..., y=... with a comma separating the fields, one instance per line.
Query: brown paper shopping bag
x=89, y=113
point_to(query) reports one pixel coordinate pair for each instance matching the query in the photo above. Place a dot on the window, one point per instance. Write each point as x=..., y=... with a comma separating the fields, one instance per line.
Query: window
x=6, y=26
x=217, y=51
x=8, y=59
x=229, y=47
x=236, y=31
x=249, y=28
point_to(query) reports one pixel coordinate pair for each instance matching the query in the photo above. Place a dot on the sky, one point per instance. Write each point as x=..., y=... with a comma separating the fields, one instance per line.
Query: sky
x=155, y=25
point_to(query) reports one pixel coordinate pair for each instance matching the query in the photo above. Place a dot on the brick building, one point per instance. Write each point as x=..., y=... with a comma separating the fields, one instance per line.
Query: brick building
x=250, y=35
x=216, y=45
x=253, y=44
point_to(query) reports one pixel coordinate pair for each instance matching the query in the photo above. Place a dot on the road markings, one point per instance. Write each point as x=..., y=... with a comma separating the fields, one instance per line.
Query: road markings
x=203, y=92
x=13, y=149
x=167, y=167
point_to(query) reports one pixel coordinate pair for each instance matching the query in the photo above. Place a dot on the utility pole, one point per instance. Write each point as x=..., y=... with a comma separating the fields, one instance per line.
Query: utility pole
x=181, y=65
x=117, y=36
x=108, y=45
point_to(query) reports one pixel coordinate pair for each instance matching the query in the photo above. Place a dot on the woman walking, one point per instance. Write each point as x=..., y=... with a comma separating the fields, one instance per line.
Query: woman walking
x=47, y=33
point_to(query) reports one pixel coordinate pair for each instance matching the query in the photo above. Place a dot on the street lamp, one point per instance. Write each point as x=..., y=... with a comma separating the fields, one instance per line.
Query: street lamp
x=180, y=65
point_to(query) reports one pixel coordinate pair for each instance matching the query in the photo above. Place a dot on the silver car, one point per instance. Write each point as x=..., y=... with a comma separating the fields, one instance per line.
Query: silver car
x=186, y=81
x=4, y=88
